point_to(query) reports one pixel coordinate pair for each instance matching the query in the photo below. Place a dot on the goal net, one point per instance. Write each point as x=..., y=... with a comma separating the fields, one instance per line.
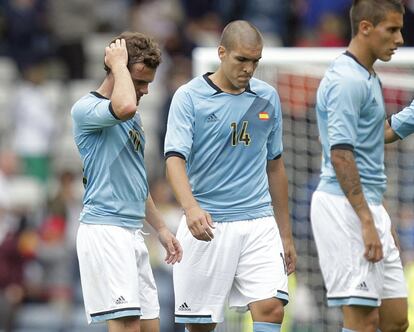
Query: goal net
x=296, y=73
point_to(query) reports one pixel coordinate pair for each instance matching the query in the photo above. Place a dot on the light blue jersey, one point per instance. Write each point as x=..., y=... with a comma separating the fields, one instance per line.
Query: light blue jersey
x=112, y=153
x=351, y=114
x=226, y=140
x=403, y=122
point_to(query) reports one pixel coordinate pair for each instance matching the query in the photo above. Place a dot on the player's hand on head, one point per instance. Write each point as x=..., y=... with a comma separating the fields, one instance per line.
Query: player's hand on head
x=373, y=247
x=116, y=54
x=174, y=252
x=200, y=223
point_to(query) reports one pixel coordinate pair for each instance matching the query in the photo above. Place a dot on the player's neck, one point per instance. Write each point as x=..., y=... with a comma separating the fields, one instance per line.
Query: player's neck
x=362, y=53
x=106, y=87
x=220, y=80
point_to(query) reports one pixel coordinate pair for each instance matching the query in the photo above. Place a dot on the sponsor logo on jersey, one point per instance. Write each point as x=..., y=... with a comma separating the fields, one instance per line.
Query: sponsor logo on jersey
x=212, y=118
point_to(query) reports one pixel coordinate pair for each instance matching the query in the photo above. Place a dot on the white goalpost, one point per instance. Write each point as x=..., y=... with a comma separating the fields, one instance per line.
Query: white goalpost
x=296, y=73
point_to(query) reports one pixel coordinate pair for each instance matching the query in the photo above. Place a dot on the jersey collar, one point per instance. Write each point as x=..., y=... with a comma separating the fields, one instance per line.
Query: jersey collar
x=347, y=53
x=218, y=90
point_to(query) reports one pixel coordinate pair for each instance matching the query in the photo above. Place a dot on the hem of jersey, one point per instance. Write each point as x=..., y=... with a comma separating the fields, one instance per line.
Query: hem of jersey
x=353, y=300
x=194, y=319
x=114, y=315
x=136, y=225
x=335, y=189
x=232, y=217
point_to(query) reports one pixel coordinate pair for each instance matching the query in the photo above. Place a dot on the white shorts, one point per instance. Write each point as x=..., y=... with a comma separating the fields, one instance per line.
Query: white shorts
x=349, y=278
x=242, y=264
x=115, y=272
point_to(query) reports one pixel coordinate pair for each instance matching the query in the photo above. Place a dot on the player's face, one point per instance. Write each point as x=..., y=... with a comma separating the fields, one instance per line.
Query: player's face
x=386, y=36
x=239, y=65
x=141, y=76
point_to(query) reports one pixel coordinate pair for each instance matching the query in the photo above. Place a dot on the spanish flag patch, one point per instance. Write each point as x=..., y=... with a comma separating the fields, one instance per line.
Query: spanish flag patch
x=264, y=116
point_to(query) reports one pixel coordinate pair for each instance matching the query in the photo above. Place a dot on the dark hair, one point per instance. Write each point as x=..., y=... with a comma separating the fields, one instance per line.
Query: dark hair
x=373, y=11
x=141, y=49
x=240, y=31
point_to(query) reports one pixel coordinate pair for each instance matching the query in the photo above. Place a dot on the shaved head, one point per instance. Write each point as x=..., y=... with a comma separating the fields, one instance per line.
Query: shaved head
x=240, y=32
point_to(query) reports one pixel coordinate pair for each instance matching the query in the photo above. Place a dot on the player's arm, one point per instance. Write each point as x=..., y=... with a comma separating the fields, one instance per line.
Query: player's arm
x=123, y=97
x=278, y=187
x=389, y=134
x=167, y=239
x=199, y=221
x=400, y=125
x=348, y=177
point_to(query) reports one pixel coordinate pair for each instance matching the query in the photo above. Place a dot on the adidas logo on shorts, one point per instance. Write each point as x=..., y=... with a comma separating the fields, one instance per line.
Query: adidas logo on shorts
x=184, y=307
x=363, y=286
x=120, y=300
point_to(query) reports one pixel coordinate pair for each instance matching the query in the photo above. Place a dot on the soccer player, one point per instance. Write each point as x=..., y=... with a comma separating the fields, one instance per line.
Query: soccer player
x=400, y=125
x=117, y=282
x=223, y=152
x=359, y=259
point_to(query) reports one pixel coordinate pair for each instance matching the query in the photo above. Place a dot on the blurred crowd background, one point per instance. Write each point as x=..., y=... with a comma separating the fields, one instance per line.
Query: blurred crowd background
x=51, y=53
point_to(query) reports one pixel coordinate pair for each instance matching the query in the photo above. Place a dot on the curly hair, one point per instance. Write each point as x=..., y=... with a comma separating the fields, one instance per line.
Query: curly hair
x=141, y=49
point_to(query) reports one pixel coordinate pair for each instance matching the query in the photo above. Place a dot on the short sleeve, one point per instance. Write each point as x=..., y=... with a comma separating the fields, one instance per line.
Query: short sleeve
x=344, y=101
x=274, y=143
x=94, y=115
x=403, y=122
x=180, y=125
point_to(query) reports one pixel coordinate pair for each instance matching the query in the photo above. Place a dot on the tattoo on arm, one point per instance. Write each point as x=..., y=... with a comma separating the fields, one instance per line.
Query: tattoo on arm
x=347, y=174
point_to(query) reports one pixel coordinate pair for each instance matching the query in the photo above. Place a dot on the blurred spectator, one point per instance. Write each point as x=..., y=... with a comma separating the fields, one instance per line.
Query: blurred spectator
x=105, y=12
x=15, y=245
x=71, y=22
x=33, y=122
x=270, y=17
x=405, y=229
x=330, y=32
x=178, y=74
x=26, y=29
x=313, y=10
x=408, y=31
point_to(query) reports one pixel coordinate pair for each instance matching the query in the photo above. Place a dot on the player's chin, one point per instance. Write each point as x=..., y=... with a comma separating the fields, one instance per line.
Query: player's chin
x=386, y=57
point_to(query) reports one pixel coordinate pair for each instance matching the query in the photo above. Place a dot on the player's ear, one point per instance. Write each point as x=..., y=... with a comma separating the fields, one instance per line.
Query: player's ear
x=221, y=52
x=365, y=27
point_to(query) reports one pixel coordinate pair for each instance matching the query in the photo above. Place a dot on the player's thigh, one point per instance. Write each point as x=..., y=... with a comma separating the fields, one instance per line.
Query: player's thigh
x=148, y=294
x=108, y=271
x=393, y=315
x=349, y=278
x=200, y=327
x=360, y=318
x=203, y=278
x=261, y=272
x=150, y=325
x=268, y=310
x=124, y=324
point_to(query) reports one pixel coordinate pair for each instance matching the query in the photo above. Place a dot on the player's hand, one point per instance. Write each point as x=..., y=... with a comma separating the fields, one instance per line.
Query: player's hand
x=171, y=245
x=200, y=223
x=290, y=254
x=373, y=247
x=116, y=54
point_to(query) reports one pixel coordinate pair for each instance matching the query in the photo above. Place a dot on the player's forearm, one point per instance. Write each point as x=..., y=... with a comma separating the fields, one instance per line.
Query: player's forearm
x=178, y=179
x=153, y=216
x=348, y=177
x=123, y=97
x=278, y=187
x=389, y=134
